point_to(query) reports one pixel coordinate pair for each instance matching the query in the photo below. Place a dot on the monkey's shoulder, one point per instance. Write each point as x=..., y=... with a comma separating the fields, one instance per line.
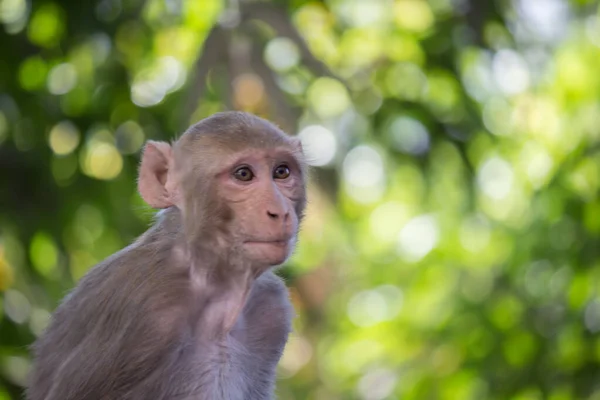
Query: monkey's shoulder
x=268, y=313
x=135, y=264
x=126, y=280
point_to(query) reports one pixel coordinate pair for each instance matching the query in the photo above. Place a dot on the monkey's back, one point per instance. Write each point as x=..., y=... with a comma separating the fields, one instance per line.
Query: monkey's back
x=108, y=330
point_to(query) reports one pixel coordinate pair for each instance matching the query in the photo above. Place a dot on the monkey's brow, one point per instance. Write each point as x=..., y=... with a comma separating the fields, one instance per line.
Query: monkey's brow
x=282, y=153
x=257, y=153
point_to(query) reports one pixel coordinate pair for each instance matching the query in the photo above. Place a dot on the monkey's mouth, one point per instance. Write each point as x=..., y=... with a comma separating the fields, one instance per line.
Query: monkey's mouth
x=280, y=241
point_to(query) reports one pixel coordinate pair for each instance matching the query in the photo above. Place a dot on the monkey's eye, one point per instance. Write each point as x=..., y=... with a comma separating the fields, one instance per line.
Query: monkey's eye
x=281, y=172
x=243, y=174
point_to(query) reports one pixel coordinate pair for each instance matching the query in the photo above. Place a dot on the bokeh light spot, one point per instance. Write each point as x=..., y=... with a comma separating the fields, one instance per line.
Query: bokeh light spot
x=377, y=384
x=367, y=308
x=102, y=161
x=6, y=272
x=151, y=85
x=496, y=116
x=319, y=144
x=404, y=47
x=298, y=352
x=371, y=307
x=585, y=178
x=328, y=97
x=62, y=79
x=248, y=90
x=32, y=73
x=47, y=25
x=44, y=254
x=413, y=15
x=510, y=72
x=418, y=237
x=409, y=135
x=360, y=48
x=363, y=166
x=146, y=94
x=363, y=13
x=16, y=369
x=129, y=137
x=363, y=172
x=406, y=81
x=292, y=83
x=38, y=321
x=547, y=19
x=16, y=306
x=538, y=164
x=443, y=95
x=281, y=54
x=387, y=219
x=495, y=178
x=476, y=74
x=101, y=47
x=64, y=138
x=11, y=11
x=592, y=316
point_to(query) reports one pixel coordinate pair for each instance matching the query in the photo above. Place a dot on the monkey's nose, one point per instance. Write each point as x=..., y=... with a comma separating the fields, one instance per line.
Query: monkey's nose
x=276, y=215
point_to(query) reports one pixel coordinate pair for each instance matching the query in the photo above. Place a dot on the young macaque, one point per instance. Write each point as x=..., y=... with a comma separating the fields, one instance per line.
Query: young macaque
x=191, y=309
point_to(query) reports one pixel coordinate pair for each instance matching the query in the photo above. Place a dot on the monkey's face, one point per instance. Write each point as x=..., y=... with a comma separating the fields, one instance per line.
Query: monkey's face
x=264, y=191
x=239, y=183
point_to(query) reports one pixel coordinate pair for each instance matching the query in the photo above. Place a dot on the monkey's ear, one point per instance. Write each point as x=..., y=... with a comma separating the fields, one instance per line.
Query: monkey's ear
x=297, y=144
x=157, y=159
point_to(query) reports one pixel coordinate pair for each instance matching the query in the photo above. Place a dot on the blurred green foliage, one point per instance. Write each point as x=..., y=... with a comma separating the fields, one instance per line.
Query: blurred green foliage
x=451, y=246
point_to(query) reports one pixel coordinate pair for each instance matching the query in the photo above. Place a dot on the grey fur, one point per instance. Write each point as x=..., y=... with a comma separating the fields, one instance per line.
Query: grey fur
x=180, y=314
x=109, y=341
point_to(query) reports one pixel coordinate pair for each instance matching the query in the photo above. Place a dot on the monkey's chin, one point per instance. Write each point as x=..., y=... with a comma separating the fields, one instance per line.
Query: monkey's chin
x=268, y=253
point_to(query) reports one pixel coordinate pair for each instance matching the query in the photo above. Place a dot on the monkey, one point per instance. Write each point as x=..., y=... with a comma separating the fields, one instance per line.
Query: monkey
x=192, y=309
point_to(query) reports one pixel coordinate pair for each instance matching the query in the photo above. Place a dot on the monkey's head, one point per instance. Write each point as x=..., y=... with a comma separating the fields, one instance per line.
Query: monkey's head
x=237, y=179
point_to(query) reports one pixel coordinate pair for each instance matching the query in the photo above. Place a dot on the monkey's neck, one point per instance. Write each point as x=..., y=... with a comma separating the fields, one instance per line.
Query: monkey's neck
x=220, y=279
x=206, y=250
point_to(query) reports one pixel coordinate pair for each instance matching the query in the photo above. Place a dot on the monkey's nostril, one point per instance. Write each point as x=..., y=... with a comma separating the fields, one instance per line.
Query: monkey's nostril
x=272, y=215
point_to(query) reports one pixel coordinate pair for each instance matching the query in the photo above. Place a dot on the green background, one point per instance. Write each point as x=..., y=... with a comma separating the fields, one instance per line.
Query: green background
x=451, y=245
